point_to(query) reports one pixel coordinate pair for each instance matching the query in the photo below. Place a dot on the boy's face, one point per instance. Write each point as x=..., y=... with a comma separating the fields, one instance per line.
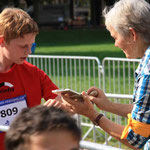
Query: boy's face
x=18, y=49
x=54, y=140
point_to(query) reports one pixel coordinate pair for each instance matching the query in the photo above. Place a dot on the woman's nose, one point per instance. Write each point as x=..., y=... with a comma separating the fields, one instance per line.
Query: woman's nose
x=116, y=45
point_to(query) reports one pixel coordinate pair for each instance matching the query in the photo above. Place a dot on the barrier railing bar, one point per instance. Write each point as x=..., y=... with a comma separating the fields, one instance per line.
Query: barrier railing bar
x=95, y=146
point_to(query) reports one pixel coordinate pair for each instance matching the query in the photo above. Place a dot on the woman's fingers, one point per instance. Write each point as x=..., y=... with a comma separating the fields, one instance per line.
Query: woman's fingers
x=90, y=90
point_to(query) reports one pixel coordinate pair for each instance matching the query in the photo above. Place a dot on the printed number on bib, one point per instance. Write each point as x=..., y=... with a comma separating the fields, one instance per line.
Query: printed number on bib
x=8, y=112
x=9, y=109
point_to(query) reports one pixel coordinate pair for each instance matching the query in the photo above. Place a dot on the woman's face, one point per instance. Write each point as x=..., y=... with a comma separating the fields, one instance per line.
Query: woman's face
x=127, y=44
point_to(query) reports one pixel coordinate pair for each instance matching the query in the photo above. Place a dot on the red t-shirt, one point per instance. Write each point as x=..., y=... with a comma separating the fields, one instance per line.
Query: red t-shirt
x=25, y=79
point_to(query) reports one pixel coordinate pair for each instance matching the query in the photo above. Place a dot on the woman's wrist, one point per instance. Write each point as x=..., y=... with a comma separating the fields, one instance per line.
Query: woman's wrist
x=97, y=119
x=93, y=115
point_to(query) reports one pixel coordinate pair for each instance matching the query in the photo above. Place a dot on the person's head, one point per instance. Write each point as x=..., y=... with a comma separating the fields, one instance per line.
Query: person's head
x=17, y=33
x=43, y=128
x=129, y=19
x=15, y=22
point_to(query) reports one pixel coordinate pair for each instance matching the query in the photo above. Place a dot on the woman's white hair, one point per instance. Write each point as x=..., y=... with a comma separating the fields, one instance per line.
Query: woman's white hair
x=129, y=13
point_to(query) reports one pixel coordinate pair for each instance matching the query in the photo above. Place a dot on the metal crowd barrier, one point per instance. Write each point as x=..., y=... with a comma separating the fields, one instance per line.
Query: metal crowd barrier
x=94, y=146
x=118, y=75
x=75, y=72
x=114, y=76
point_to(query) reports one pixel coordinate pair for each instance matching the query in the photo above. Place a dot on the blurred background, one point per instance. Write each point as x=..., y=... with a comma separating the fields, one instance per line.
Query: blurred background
x=62, y=14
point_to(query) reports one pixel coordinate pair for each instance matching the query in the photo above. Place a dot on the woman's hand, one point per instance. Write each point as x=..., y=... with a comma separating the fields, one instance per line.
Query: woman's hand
x=100, y=100
x=85, y=107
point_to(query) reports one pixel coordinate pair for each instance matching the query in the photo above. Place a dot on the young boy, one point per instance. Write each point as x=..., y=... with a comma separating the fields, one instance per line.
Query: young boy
x=21, y=84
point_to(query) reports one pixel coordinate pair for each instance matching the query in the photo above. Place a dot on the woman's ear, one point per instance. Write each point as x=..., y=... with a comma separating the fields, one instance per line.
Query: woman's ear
x=133, y=34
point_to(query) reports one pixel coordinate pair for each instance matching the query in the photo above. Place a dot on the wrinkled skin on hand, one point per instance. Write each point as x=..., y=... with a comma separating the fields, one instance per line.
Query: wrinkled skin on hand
x=84, y=108
x=100, y=100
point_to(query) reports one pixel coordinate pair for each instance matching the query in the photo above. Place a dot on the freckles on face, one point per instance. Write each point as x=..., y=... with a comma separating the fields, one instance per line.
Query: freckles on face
x=18, y=49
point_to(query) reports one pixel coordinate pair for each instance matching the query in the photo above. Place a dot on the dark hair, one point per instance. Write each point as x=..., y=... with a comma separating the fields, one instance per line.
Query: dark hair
x=37, y=120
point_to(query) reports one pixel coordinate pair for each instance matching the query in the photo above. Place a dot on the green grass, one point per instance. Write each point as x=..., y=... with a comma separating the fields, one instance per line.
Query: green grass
x=92, y=42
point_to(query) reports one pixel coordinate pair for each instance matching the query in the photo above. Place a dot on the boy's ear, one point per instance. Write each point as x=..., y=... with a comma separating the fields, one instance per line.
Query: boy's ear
x=133, y=34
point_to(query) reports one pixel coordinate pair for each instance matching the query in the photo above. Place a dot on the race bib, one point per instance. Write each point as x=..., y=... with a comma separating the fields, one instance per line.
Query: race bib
x=9, y=108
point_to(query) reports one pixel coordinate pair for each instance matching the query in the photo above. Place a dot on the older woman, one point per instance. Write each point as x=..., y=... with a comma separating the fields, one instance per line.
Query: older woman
x=129, y=24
